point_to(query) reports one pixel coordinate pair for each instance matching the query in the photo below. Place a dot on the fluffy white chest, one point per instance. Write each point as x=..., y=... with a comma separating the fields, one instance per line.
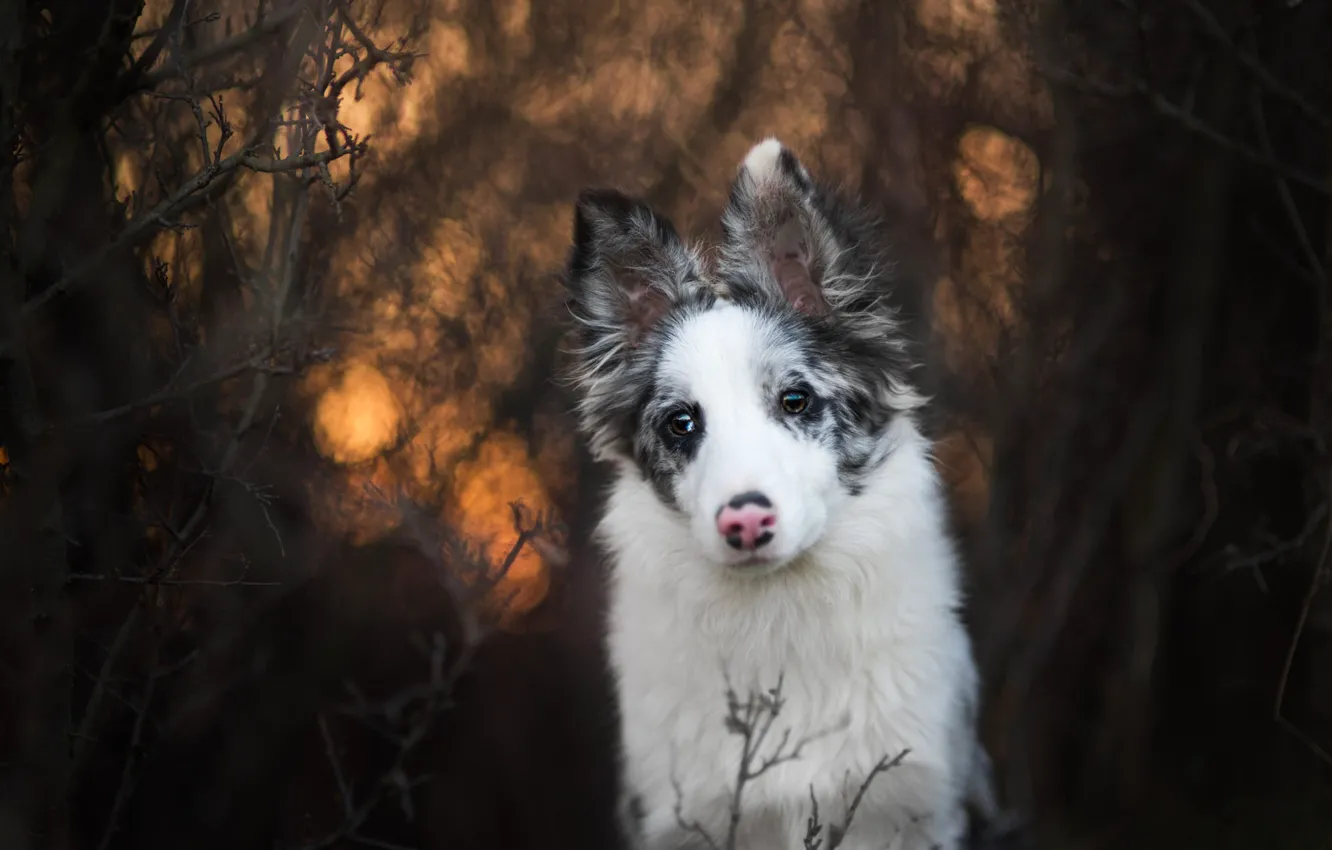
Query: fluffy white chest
x=871, y=658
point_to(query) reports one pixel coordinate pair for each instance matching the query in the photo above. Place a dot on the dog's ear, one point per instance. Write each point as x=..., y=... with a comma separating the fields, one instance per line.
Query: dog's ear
x=787, y=235
x=777, y=234
x=626, y=267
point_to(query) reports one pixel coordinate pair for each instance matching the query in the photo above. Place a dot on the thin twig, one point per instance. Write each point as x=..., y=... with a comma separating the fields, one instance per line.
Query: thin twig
x=344, y=788
x=883, y=765
x=1320, y=577
x=158, y=581
x=1189, y=121
x=160, y=215
x=169, y=393
x=210, y=18
x=269, y=25
x=1288, y=203
x=132, y=753
x=1283, y=547
x=693, y=827
x=1214, y=30
x=387, y=716
x=434, y=696
x=170, y=30
x=1211, y=505
x=813, y=826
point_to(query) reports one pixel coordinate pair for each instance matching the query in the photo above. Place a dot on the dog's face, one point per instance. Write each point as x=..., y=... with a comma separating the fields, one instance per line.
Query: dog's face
x=753, y=396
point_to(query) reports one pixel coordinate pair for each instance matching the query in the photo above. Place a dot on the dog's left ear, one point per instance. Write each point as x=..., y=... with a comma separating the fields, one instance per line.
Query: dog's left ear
x=776, y=234
x=626, y=268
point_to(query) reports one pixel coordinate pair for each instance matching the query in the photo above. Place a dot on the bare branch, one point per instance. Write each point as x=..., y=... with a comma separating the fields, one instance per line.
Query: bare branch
x=209, y=18
x=375, y=55
x=813, y=839
x=311, y=164
x=161, y=215
x=1211, y=505
x=344, y=788
x=1281, y=548
x=269, y=25
x=1288, y=204
x=169, y=582
x=262, y=363
x=1215, y=31
x=1322, y=573
x=837, y=832
x=751, y=721
x=405, y=720
x=1190, y=122
x=132, y=756
x=169, y=30
x=693, y=827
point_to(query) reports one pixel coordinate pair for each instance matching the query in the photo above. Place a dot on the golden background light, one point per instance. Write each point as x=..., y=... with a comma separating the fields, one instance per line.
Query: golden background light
x=357, y=419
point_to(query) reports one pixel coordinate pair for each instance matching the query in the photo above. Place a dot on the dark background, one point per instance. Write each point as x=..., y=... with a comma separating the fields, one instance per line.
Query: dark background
x=268, y=393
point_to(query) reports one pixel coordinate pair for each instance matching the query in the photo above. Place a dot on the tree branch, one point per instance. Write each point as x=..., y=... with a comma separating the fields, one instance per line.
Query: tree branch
x=266, y=26
x=1321, y=575
x=1190, y=122
x=1215, y=31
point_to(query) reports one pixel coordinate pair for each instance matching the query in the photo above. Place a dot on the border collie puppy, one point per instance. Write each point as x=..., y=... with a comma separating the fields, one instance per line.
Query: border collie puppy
x=774, y=517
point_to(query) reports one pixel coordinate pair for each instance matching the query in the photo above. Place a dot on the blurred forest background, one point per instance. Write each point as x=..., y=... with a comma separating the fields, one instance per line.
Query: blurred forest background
x=291, y=511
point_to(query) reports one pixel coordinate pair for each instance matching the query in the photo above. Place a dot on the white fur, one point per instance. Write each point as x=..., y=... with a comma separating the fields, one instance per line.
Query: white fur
x=761, y=161
x=857, y=614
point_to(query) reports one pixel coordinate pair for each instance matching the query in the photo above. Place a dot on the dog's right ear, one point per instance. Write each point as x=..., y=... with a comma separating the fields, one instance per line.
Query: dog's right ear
x=627, y=266
x=816, y=248
x=773, y=232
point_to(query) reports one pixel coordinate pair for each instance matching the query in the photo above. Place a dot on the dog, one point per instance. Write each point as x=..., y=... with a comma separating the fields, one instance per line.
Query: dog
x=774, y=525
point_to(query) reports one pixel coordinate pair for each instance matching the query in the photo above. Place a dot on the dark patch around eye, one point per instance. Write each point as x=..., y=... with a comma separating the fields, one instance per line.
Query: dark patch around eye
x=660, y=455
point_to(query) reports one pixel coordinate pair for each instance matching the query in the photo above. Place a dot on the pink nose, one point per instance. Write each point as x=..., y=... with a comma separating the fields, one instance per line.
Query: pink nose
x=747, y=521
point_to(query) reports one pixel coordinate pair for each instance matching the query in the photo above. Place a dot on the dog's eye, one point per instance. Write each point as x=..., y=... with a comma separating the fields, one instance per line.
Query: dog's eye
x=795, y=402
x=681, y=423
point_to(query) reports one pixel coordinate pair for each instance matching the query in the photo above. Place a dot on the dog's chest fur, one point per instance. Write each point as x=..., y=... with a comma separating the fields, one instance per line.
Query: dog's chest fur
x=865, y=638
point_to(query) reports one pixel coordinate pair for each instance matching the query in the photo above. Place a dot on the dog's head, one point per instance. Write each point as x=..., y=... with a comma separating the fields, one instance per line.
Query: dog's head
x=754, y=395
